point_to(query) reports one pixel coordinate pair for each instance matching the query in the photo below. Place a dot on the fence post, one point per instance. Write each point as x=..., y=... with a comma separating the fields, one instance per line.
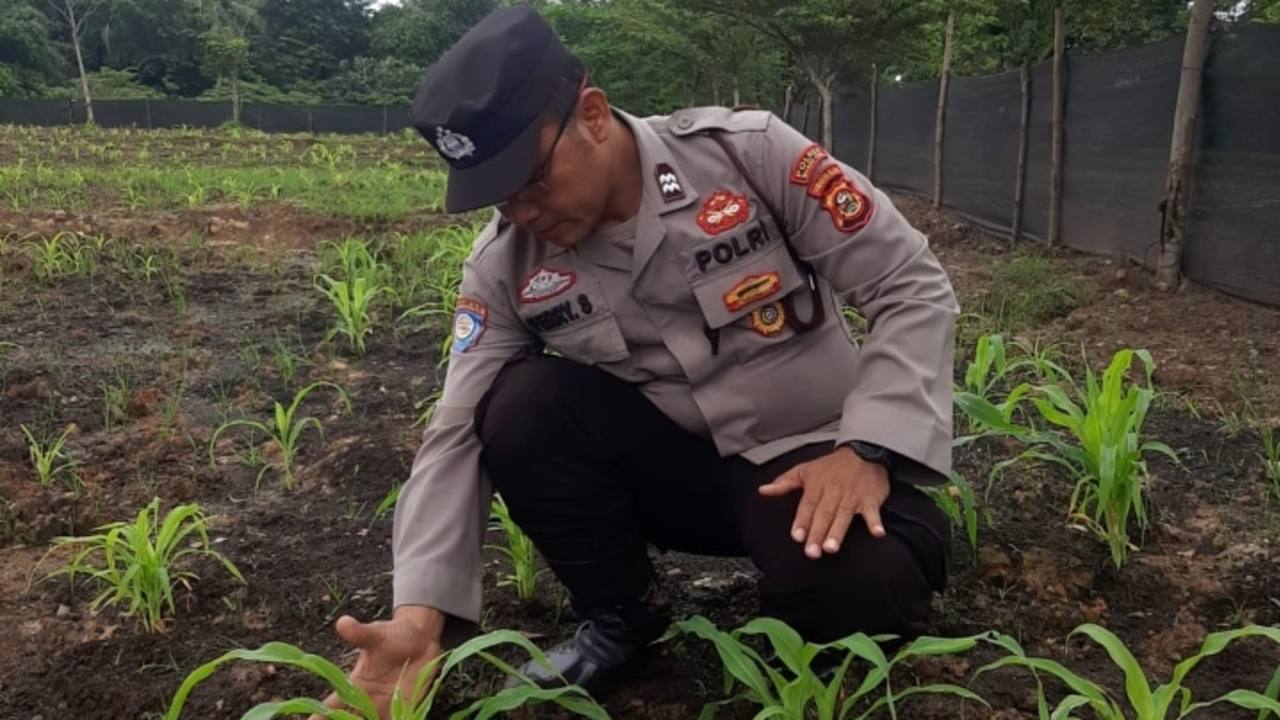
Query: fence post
x=1174, y=204
x=871, y=139
x=1020, y=186
x=1055, y=159
x=942, y=110
x=384, y=119
x=310, y=124
x=71, y=112
x=146, y=103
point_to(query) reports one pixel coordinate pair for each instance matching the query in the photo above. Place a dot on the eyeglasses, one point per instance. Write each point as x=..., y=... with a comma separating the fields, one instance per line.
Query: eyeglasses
x=537, y=184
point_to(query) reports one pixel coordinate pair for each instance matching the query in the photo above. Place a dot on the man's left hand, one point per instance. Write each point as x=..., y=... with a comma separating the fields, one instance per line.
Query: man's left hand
x=836, y=488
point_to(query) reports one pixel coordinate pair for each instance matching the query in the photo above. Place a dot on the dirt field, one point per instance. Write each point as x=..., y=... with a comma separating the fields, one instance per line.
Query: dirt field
x=192, y=357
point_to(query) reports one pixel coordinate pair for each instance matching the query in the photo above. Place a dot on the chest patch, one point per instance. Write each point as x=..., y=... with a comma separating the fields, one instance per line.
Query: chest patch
x=723, y=211
x=751, y=289
x=545, y=283
x=723, y=252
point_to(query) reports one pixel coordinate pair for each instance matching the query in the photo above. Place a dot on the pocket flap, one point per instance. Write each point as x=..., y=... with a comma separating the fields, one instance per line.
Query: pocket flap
x=736, y=291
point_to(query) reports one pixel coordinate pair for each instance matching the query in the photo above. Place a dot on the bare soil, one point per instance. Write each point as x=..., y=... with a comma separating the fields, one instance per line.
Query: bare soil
x=315, y=552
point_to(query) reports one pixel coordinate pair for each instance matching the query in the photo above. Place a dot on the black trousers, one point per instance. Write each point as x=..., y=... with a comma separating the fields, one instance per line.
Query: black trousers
x=593, y=472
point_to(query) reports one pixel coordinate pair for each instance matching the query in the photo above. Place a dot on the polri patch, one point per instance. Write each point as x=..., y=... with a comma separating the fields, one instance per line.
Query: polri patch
x=468, y=323
x=822, y=181
x=544, y=283
x=849, y=209
x=752, y=288
x=807, y=163
x=768, y=320
x=668, y=183
x=724, y=210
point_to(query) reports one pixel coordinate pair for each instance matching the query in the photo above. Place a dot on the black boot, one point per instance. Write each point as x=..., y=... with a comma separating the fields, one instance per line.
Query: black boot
x=607, y=649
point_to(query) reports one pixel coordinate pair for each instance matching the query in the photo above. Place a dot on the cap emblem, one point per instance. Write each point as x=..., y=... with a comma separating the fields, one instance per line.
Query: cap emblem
x=452, y=145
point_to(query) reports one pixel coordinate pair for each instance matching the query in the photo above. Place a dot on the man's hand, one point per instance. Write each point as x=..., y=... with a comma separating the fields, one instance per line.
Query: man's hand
x=836, y=488
x=392, y=653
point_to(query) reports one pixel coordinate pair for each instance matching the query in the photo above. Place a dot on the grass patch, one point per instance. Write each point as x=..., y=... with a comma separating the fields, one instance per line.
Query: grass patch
x=1029, y=290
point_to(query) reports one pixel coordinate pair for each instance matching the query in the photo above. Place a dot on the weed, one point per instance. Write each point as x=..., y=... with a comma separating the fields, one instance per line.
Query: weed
x=115, y=402
x=48, y=458
x=957, y=501
x=287, y=361
x=519, y=550
x=1270, y=458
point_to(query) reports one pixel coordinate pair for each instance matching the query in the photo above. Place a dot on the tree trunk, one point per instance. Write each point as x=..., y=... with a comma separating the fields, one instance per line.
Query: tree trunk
x=715, y=90
x=944, y=83
x=825, y=91
x=1172, y=226
x=235, y=97
x=737, y=90
x=1055, y=158
x=788, y=97
x=1020, y=184
x=74, y=25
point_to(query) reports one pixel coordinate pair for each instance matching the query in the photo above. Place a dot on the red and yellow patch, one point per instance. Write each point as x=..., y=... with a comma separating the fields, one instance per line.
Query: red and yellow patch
x=724, y=210
x=768, y=320
x=807, y=163
x=849, y=209
x=751, y=289
x=822, y=181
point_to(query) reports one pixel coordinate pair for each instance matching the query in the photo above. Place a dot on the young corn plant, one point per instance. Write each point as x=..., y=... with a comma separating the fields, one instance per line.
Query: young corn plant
x=361, y=707
x=47, y=458
x=797, y=692
x=138, y=564
x=1142, y=702
x=1105, y=453
x=1270, y=458
x=351, y=301
x=989, y=367
x=956, y=499
x=519, y=550
x=284, y=431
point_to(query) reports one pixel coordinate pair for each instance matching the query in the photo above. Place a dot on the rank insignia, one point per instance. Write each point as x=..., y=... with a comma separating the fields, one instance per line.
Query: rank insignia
x=822, y=181
x=723, y=211
x=751, y=289
x=668, y=183
x=809, y=160
x=768, y=319
x=468, y=323
x=849, y=209
x=545, y=283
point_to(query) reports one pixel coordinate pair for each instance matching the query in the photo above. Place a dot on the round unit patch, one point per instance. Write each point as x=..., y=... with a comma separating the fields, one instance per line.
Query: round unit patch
x=468, y=324
x=768, y=320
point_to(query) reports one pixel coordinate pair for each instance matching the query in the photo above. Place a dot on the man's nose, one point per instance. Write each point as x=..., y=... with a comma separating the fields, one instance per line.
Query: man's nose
x=522, y=213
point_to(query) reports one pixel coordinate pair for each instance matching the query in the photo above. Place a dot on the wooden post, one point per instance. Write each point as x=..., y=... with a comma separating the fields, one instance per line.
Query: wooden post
x=146, y=103
x=871, y=139
x=384, y=119
x=1173, y=224
x=940, y=122
x=1055, y=158
x=1020, y=184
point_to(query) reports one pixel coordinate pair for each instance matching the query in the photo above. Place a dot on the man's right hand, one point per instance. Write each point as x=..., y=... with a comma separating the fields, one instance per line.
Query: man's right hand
x=392, y=653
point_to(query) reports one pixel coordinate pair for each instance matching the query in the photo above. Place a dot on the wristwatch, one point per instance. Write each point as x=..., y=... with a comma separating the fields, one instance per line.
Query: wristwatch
x=872, y=452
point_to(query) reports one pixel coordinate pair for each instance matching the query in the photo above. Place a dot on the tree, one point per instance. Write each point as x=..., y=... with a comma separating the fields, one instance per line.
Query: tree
x=26, y=57
x=419, y=31
x=306, y=41
x=827, y=38
x=226, y=43
x=74, y=13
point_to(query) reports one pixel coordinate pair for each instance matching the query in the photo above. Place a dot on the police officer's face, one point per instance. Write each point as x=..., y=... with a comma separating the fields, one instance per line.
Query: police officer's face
x=565, y=199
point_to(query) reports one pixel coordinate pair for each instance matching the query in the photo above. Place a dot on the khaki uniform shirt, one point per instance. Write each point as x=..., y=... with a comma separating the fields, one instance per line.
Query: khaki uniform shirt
x=691, y=309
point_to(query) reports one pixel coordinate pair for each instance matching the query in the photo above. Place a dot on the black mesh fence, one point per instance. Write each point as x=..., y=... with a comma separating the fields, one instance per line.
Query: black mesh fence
x=195, y=114
x=1118, y=123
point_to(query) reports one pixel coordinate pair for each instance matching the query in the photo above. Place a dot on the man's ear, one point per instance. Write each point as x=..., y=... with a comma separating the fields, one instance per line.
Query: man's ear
x=594, y=114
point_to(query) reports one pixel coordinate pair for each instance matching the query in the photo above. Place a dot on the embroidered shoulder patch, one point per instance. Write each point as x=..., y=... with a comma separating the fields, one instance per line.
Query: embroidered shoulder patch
x=468, y=323
x=802, y=170
x=849, y=209
x=723, y=211
x=768, y=320
x=751, y=289
x=668, y=183
x=822, y=181
x=545, y=283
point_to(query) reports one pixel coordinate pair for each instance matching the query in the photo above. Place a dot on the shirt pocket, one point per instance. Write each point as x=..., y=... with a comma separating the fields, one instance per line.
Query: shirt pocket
x=731, y=293
x=580, y=325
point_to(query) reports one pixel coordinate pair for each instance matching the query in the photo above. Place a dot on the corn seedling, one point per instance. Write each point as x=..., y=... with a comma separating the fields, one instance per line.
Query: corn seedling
x=137, y=563
x=1270, y=458
x=47, y=459
x=287, y=361
x=990, y=365
x=427, y=407
x=351, y=301
x=519, y=550
x=956, y=499
x=284, y=431
x=1107, y=456
x=115, y=402
x=387, y=503
x=361, y=707
x=797, y=692
x=1040, y=361
x=1143, y=701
